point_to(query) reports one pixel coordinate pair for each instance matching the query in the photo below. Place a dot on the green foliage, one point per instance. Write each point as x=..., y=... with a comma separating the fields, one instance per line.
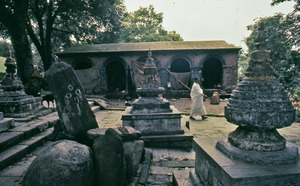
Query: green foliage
x=4, y=48
x=296, y=6
x=56, y=24
x=283, y=42
x=145, y=25
x=242, y=64
x=2, y=67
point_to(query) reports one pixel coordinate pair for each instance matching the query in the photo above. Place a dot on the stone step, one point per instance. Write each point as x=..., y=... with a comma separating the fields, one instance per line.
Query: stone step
x=21, y=132
x=6, y=124
x=91, y=103
x=18, y=151
x=13, y=175
x=95, y=108
x=181, y=178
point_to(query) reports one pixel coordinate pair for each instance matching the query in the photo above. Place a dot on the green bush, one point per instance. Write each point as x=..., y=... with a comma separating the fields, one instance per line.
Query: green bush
x=2, y=67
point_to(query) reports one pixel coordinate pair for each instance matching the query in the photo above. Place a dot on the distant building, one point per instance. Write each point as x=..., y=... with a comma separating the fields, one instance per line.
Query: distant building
x=118, y=68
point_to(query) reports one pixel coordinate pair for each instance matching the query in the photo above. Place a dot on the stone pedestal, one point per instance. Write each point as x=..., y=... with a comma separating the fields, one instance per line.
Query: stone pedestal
x=215, y=168
x=18, y=104
x=154, y=123
x=5, y=123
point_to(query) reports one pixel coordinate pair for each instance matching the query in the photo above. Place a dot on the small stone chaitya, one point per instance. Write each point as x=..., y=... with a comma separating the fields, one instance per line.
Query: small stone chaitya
x=259, y=105
x=255, y=153
x=151, y=114
x=14, y=102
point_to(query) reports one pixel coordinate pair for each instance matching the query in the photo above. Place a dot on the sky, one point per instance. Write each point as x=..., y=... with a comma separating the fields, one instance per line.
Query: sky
x=200, y=20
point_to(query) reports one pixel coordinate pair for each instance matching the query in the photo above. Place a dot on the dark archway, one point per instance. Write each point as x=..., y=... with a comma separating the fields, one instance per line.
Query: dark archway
x=82, y=64
x=212, y=73
x=180, y=74
x=115, y=76
x=180, y=65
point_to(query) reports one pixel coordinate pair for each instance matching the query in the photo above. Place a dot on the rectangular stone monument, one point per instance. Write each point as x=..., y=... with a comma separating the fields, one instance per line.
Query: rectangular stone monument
x=72, y=106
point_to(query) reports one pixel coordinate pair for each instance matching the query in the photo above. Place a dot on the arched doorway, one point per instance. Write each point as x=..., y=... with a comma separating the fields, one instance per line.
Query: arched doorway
x=115, y=76
x=180, y=73
x=82, y=65
x=212, y=73
x=180, y=66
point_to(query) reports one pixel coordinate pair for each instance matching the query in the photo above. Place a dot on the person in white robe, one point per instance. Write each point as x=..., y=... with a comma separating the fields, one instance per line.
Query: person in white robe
x=197, y=100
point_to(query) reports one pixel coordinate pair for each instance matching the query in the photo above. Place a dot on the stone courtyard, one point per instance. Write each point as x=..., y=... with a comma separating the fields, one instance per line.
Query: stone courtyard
x=161, y=166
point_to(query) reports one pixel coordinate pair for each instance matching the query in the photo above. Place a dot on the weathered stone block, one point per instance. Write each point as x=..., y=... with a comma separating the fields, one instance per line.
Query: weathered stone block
x=109, y=159
x=154, y=123
x=214, y=168
x=134, y=150
x=5, y=124
x=64, y=163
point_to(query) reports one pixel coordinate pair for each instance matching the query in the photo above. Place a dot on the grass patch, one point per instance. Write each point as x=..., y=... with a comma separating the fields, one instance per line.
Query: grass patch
x=2, y=67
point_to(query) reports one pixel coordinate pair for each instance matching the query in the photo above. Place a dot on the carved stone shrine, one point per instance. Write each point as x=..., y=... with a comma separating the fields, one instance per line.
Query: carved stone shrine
x=73, y=109
x=157, y=120
x=14, y=102
x=255, y=153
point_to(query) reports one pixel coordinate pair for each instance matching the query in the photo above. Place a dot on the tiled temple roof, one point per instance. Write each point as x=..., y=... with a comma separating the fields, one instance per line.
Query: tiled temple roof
x=154, y=46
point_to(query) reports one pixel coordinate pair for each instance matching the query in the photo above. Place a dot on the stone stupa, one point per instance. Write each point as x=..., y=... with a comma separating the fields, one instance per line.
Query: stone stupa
x=152, y=115
x=255, y=153
x=14, y=102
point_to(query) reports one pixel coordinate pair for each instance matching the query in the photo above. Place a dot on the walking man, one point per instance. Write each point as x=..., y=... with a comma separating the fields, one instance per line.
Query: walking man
x=197, y=99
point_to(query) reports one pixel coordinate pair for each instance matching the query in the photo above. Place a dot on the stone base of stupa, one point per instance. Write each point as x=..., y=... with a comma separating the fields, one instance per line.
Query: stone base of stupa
x=212, y=167
x=159, y=129
x=17, y=105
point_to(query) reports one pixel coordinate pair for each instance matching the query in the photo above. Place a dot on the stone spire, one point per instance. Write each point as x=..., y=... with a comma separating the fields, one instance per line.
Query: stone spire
x=259, y=105
x=150, y=86
x=259, y=68
x=14, y=102
x=150, y=73
x=11, y=81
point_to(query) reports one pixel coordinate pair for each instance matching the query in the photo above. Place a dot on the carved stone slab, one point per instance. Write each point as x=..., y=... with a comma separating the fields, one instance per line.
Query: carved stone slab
x=72, y=106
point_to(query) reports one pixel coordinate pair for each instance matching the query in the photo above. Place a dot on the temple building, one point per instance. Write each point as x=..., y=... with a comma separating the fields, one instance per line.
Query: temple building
x=118, y=68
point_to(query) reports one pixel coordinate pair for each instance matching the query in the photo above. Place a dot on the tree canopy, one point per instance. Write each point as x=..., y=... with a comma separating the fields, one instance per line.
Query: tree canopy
x=55, y=24
x=13, y=15
x=145, y=25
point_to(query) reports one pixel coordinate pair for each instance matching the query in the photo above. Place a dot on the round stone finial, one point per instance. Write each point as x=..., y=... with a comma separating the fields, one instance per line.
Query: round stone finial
x=11, y=82
x=10, y=63
x=149, y=53
x=260, y=38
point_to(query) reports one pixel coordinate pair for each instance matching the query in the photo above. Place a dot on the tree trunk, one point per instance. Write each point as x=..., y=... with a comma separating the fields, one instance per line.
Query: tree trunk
x=15, y=22
x=23, y=53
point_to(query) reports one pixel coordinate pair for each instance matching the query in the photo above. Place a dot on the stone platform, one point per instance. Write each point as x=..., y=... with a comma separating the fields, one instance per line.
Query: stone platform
x=160, y=129
x=214, y=168
x=21, y=106
x=183, y=141
x=154, y=123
